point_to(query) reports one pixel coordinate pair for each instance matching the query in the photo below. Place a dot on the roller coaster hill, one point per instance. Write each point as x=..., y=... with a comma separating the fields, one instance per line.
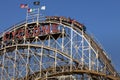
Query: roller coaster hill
x=20, y=33
x=52, y=48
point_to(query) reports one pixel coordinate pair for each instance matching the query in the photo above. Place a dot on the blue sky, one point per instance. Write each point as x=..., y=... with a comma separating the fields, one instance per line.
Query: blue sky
x=101, y=17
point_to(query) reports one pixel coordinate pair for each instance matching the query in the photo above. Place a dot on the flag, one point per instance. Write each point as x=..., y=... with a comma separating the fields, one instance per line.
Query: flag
x=30, y=10
x=36, y=3
x=43, y=7
x=23, y=6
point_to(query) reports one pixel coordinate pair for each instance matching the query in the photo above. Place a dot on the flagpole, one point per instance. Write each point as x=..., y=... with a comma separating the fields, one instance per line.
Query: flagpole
x=38, y=16
x=27, y=14
x=37, y=3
